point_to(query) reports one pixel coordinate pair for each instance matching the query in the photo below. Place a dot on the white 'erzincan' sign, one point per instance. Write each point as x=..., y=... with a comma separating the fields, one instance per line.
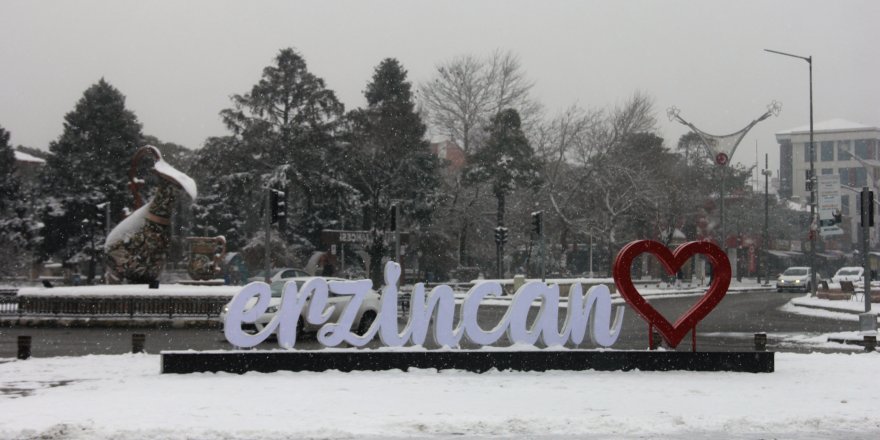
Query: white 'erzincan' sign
x=594, y=307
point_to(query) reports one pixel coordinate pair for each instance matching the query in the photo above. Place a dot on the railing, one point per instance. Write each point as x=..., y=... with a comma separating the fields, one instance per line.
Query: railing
x=120, y=306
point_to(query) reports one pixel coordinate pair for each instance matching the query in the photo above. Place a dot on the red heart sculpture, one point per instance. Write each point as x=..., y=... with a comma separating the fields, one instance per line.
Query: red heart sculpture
x=672, y=261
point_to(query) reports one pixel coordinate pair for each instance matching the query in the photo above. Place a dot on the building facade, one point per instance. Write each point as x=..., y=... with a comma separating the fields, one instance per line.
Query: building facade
x=847, y=149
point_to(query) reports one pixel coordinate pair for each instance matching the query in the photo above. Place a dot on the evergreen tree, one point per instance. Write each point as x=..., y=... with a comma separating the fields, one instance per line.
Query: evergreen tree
x=287, y=127
x=507, y=162
x=9, y=184
x=17, y=226
x=88, y=166
x=389, y=159
x=227, y=204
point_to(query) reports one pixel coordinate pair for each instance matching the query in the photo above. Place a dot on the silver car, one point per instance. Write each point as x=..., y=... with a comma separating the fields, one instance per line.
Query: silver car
x=795, y=278
x=850, y=273
x=366, y=315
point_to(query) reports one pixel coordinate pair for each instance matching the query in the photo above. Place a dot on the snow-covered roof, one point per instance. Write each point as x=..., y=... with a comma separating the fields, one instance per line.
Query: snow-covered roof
x=21, y=156
x=830, y=125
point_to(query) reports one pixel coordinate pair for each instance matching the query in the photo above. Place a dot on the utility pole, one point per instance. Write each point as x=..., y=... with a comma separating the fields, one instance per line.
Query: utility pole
x=538, y=229
x=591, y=255
x=723, y=240
x=765, y=242
x=867, y=321
x=106, y=207
x=107, y=218
x=397, y=233
x=91, y=277
x=342, y=248
x=267, y=223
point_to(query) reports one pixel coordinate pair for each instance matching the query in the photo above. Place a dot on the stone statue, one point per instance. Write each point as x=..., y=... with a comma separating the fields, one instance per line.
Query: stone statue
x=137, y=247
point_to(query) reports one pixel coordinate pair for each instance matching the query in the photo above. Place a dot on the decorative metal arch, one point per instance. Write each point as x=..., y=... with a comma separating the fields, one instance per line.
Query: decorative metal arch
x=722, y=147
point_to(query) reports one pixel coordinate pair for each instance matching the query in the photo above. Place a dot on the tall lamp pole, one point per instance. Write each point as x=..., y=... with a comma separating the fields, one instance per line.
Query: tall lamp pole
x=765, y=242
x=813, y=225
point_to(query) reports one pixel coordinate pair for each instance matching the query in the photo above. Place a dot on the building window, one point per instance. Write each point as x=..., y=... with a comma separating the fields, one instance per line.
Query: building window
x=864, y=148
x=861, y=177
x=844, y=177
x=827, y=151
x=807, y=152
x=827, y=171
x=844, y=204
x=843, y=152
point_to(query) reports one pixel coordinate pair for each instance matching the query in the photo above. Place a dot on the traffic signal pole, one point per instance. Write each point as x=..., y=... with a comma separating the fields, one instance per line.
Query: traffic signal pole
x=267, y=222
x=538, y=229
x=867, y=200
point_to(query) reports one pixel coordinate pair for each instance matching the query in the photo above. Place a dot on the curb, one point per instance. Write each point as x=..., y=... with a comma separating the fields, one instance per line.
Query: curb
x=827, y=309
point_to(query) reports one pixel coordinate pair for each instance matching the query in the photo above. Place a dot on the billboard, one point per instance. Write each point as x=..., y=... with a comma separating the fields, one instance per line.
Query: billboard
x=829, y=205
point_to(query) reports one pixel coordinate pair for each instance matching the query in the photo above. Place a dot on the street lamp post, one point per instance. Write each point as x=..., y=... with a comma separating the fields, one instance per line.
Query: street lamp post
x=809, y=61
x=766, y=172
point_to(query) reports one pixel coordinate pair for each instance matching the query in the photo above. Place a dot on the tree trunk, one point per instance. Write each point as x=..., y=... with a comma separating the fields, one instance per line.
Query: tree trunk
x=499, y=245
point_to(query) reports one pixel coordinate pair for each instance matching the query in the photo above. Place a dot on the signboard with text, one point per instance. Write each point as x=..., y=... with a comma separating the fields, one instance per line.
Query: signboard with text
x=333, y=236
x=829, y=205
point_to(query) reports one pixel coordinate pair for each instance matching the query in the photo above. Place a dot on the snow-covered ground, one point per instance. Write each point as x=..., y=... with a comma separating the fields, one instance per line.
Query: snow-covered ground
x=826, y=308
x=124, y=396
x=653, y=289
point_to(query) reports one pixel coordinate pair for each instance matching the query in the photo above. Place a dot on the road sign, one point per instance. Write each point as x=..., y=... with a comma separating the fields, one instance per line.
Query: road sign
x=829, y=205
x=335, y=236
x=721, y=158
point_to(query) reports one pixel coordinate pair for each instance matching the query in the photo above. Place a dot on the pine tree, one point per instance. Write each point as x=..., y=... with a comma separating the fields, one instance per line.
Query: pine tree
x=9, y=184
x=88, y=166
x=285, y=129
x=389, y=159
x=506, y=162
x=16, y=223
x=227, y=201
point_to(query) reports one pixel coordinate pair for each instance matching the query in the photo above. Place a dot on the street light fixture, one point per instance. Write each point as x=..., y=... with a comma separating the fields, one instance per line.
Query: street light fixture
x=813, y=225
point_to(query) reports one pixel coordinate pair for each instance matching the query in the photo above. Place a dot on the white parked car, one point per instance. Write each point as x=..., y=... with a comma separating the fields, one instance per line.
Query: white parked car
x=367, y=313
x=279, y=274
x=795, y=278
x=849, y=273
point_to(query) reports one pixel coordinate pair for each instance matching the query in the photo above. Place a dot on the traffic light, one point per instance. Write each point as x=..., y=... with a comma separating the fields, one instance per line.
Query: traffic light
x=99, y=216
x=278, y=204
x=500, y=235
x=867, y=202
x=537, y=221
x=392, y=222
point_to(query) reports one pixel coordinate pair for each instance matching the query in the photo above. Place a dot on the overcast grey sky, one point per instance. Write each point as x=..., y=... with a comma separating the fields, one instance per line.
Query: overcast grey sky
x=179, y=61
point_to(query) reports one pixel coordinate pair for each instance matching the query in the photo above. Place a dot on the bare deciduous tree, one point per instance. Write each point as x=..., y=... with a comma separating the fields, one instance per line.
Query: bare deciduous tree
x=467, y=91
